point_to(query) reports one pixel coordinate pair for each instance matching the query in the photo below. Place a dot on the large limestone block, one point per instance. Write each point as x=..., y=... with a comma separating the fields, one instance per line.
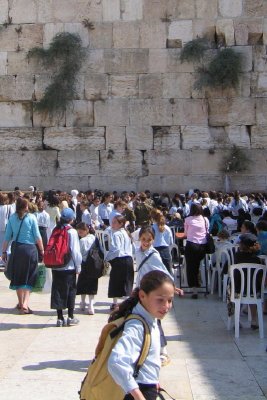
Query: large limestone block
x=207, y=9
x=248, y=183
x=255, y=8
x=241, y=32
x=139, y=138
x=132, y=10
x=31, y=36
x=261, y=114
x=168, y=162
x=128, y=61
x=153, y=183
x=150, y=86
x=238, y=135
x=167, y=60
x=3, y=62
x=17, y=87
x=172, y=184
x=77, y=10
x=259, y=137
x=261, y=89
x=181, y=30
x=202, y=181
x=50, y=31
x=260, y=57
x=207, y=164
x=4, y=11
x=190, y=112
x=94, y=62
x=177, y=85
x=223, y=112
x=41, y=82
x=28, y=163
x=230, y=8
x=121, y=163
x=124, y=85
x=8, y=39
x=111, y=10
x=116, y=137
x=111, y=183
x=265, y=31
x=225, y=31
x=80, y=113
x=112, y=112
x=78, y=162
x=45, y=11
x=126, y=35
x=182, y=9
x=101, y=36
x=78, y=29
x=167, y=137
x=95, y=86
x=247, y=58
x=150, y=112
x=153, y=35
x=45, y=120
x=15, y=115
x=20, y=139
x=155, y=9
x=204, y=28
x=196, y=137
x=61, y=138
x=23, y=12
x=19, y=64
x=243, y=89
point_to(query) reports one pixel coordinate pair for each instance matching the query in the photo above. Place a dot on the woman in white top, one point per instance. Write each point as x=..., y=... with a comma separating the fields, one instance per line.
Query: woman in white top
x=121, y=260
x=53, y=210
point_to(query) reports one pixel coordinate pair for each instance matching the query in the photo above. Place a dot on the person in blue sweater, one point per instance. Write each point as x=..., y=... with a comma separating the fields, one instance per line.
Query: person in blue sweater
x=261, y=228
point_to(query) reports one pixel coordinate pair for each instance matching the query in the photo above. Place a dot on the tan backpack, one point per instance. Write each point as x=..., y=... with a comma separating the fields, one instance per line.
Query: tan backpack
x=98, y=384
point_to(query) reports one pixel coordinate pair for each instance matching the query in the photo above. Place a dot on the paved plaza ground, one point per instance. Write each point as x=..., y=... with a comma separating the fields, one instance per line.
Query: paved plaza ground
x=43, y=362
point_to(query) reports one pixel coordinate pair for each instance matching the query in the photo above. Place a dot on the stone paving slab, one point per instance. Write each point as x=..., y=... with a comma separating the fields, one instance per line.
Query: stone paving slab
x=39, y=360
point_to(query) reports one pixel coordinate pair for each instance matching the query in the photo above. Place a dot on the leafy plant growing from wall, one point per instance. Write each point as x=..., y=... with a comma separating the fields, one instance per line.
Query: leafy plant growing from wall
x=194, y=50
x=65, y=54
x=236, y=161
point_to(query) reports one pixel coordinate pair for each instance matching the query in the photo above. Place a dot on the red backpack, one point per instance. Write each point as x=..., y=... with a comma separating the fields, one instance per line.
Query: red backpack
x=57, y=253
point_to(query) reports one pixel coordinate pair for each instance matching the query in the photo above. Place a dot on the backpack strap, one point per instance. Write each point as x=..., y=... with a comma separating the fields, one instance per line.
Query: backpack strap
x=145, y=260
x=160, y=395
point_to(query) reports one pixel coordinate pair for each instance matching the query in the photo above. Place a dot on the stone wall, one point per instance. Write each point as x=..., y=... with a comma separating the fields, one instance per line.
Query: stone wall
x=136, y=121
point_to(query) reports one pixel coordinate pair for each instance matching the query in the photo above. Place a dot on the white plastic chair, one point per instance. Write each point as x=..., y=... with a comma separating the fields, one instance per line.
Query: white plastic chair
x=104, y=240
x=224, y=254
x=248, y=295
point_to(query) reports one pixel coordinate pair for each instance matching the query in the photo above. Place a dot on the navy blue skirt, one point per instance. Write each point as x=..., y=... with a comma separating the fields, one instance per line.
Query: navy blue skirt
x=24, y=266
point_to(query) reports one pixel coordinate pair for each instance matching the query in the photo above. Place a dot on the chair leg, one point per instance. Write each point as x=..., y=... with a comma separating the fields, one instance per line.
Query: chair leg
x=229, y=323
x=212, y=283
x=225, y=280
x=260, y=319
x=237, y=319
x=219, y=285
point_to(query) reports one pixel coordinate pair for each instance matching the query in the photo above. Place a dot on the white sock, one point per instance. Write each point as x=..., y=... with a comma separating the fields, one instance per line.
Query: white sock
x=83, y=297
x=115, y=300
x=91, y=299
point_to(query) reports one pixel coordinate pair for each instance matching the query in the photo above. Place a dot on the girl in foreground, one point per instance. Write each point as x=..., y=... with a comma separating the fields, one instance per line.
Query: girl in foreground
x=152, y=300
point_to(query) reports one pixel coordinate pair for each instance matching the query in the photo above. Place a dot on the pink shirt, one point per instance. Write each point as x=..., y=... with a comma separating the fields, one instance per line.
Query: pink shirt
x=195, y=229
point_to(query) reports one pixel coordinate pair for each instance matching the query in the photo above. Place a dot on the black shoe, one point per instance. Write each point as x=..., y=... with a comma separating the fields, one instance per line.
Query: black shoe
x=254, y=327
x=194, y=296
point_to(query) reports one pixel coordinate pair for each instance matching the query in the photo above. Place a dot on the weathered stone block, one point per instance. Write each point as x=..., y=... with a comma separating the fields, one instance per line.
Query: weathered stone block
x=243, y=89
x=15, y=115
x=116, y=137
x=128, y=61
x=196, y=137
x=167, y=137
x=182, y=9
x=51, y=30
x=14, y=88
x=121, y=163
x=19, y=64
x=78, y=162
x=225, y=31
x=124, y=85
x=111, y=10
x=153, y=184
x=139, y=138
x=150, y=112
x=246, y=53
x=255, y=8
x=76, y=10
x=61, y=138
x=23, y=11
x=229, y=8
x=113, y=182
x=40, y=85
x=261, y=115
x=112, y=112
x=260, y=59
x=241, y=32
x=8, y=39
x=168, y=162
x=190, y=112
x=182, y=30
x=45, y=120
x=94, y=62
x=261, y=89
x=45, y=12
x=223, y=112
x=78, y=29
x=4, y=11
x=259, y=137
x=95, y=86
x=80, y=113
x=28, y=163
x=3, y=63
x=126, y=35
x=204, y=28
x=167, y=60
x=207, y=164
x=264, y=28
x=153, y=35
x=203, y=181
x=238, y=135
x=132, y=11
x=207, y=9
x=254, y=182
x=101, y=36
x=30, y=36
x=15, y=139
x=177, y=85
x=154, y=10
x=150, y=86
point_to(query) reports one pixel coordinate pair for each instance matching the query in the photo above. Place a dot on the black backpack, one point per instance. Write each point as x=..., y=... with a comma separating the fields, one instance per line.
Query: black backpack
x=95, y=261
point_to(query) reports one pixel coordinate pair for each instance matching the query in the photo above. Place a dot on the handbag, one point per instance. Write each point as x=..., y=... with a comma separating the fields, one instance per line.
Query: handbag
x=9, y=265
x=40, y=279
x=210, y=246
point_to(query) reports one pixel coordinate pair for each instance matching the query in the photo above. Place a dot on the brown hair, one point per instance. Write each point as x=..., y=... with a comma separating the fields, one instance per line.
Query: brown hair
x=159, y=218
x=120, y=219
x=82, y=226
x=21, y=206
x=3, y=199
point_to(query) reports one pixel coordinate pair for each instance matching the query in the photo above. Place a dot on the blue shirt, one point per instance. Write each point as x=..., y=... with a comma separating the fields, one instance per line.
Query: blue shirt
x=120, y=245
x=127, y=350
x=29, y=232
x=164, y=238
x=262, y=239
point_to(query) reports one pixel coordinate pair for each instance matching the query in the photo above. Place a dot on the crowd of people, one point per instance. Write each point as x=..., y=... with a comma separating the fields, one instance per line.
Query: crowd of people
x=140, y=227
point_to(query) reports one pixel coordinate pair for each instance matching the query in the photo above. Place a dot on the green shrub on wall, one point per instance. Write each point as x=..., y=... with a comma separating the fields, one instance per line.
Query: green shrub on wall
x=194, y=50
x=235, y=161
x=66, y=54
